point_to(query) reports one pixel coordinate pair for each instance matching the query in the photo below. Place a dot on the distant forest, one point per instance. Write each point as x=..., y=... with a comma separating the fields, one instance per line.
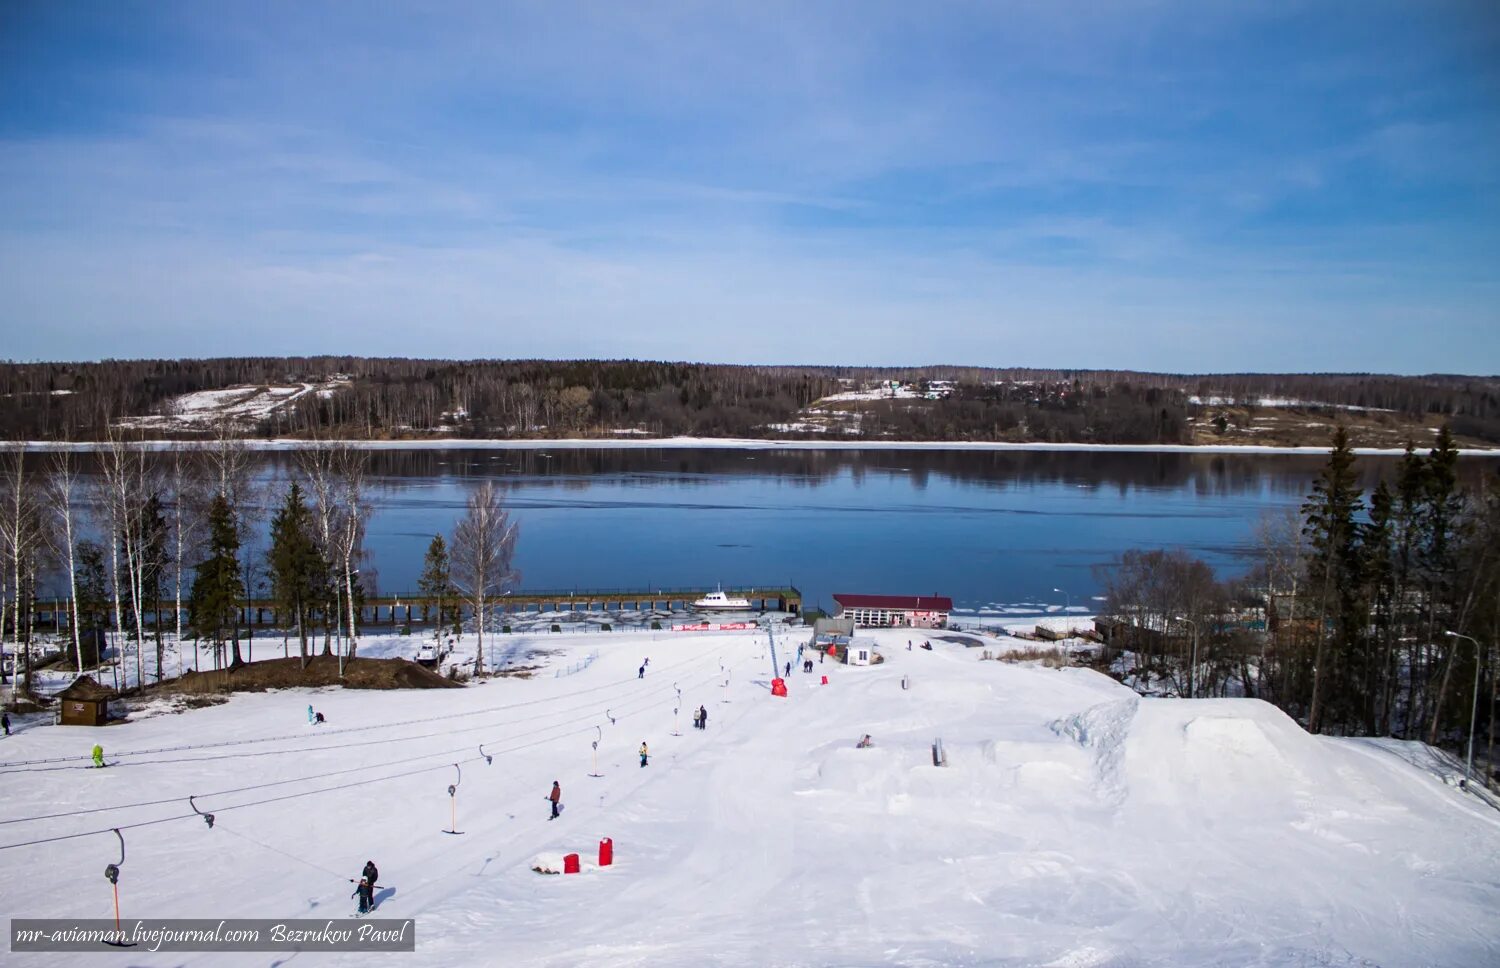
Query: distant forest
x=401, y=398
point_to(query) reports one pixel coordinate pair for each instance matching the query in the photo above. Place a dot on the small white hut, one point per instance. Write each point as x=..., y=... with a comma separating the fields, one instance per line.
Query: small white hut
x=860, y=652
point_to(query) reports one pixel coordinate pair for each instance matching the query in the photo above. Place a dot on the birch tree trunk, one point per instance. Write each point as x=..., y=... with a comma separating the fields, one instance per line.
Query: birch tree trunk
x=64, y=481
x=484, y=545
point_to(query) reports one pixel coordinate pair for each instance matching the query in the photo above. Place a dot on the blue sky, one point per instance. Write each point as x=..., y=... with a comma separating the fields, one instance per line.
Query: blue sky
x=1197, y=186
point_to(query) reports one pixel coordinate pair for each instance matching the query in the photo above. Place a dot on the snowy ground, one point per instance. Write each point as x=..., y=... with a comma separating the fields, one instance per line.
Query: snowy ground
x=1074, y=825
x=242, y=405
x=1278, y=402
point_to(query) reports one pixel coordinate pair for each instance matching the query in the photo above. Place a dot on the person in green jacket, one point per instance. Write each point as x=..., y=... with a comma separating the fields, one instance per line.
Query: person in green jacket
x=98, y=755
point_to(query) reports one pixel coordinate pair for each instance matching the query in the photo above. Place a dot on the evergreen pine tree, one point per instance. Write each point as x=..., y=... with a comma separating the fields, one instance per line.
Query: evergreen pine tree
x=436, y=583
x=1378, y=545
x=1441, y=515
x=93, y=600
x=299, y=574
x=213, y=607
x=1333, y=567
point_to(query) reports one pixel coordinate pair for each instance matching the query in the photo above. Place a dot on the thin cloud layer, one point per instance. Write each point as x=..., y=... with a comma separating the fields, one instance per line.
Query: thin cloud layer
x=1176, y=186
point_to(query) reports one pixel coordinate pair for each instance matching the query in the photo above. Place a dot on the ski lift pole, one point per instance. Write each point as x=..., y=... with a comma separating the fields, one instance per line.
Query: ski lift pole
x=775, y=666
x=112, y=874
x=597, y=738
x=677, y=708
x=453, y=802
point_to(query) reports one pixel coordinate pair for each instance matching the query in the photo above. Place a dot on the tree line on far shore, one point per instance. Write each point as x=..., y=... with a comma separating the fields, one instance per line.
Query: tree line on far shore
x=159, y=542
x=1366, y=613
x=403, y=398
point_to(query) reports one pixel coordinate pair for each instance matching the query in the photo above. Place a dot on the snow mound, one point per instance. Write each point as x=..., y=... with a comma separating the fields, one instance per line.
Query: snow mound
x=1226, y=751
x=1102, y=730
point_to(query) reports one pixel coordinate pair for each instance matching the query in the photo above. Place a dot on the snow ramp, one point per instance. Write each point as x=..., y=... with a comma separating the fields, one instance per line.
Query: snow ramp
x=1224, y=752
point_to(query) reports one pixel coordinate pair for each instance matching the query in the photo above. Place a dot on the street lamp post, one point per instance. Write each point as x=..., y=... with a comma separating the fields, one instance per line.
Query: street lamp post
x=1193, y=667
x=1067, y=598
x=1473, y=709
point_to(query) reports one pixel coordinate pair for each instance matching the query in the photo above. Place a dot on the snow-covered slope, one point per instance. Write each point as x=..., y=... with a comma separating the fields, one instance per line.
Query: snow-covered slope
x=1074, y=824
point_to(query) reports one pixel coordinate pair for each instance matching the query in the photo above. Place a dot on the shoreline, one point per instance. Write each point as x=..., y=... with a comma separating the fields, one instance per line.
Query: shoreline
x=724, y=443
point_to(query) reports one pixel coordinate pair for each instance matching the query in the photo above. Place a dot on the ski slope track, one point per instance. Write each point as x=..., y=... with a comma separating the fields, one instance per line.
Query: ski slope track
x=1075, y=824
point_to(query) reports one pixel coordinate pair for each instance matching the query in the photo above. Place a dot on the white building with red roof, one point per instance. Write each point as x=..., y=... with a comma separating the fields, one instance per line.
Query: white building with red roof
x=886, y=611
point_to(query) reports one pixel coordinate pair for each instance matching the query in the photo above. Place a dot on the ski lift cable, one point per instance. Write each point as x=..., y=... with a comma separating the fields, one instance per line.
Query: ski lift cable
x=301, y=779
x=196, y=814
x=277, y=850
x=367, y=742
x=193, y=815
x=352, y=729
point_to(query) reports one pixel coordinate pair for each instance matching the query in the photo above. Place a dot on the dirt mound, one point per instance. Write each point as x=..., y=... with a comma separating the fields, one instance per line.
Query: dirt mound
x=322, y=670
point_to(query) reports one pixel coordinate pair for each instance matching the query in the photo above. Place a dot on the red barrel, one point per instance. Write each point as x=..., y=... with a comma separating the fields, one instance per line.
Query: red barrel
x=570, y=864
x=778, y=687
x=606, y=852
x=825, y=680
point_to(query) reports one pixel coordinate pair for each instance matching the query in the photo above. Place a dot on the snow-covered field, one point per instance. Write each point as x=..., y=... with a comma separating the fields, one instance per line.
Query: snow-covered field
x=242, y=405
x=1074, y=825
x=1276, y=402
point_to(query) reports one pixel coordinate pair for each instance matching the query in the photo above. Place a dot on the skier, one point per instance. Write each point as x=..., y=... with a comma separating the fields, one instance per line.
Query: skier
x=5, y=722
x=318, y=719
x=864, y=742
x=642, y=673
x=556, y=797
x=788, y=672
x=908, y=645
x=820, y=656
x=309, y=714
x=366, y=894
x=98, y=756
x=644, y=754
x=702, y=717
x=371, y=873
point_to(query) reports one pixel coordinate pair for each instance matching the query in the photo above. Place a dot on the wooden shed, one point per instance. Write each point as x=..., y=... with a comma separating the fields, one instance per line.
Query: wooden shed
x=84, y=703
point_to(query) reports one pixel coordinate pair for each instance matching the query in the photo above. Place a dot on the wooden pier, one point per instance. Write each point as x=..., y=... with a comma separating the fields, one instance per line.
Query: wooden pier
x=416, y=609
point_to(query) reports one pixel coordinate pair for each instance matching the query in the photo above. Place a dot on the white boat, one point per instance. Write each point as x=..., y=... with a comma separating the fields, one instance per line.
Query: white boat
x=717, y=601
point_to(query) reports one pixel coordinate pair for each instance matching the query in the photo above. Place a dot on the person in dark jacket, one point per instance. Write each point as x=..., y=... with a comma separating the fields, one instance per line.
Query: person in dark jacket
x=366, y=894
x=5, y=722
x=556, y=797
x=702, y=717
x=371, y=873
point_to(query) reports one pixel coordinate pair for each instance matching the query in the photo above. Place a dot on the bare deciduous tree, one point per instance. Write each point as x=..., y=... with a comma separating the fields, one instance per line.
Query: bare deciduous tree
x=21, y=537
x=484, y=545
x=335, y=474
x=62, y=486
